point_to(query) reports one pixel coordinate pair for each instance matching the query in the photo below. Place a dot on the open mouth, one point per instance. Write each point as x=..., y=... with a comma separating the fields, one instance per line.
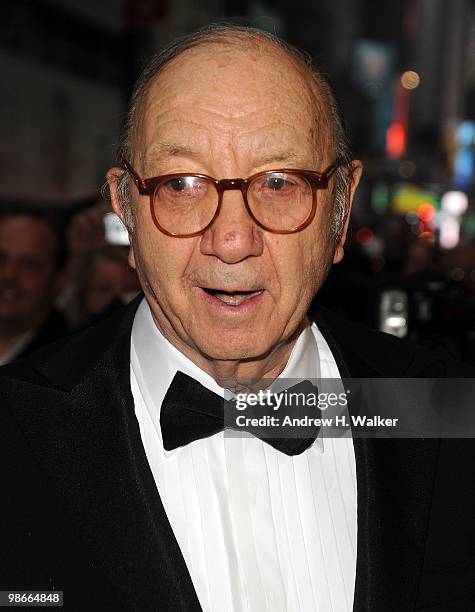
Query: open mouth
x=232, y=298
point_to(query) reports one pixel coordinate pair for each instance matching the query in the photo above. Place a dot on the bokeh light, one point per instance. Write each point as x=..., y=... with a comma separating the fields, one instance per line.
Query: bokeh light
x=454, y=202
x=426, y=212
x=364, y=235
x=427, y=237
x=449, y=232
x=410, y=79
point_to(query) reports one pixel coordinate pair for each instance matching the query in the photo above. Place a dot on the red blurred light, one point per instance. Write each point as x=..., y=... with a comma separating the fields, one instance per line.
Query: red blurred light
x=428, y=237
x=364, y=235
x=395, y=140
x=426, y=212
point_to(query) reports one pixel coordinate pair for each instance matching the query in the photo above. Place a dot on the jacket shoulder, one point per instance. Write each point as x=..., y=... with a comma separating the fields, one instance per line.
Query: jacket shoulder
x=368, y=352
x=25, y=368
x=65, y=361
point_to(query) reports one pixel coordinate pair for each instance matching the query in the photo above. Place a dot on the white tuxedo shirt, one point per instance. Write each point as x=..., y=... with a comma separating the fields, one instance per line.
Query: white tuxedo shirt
x=260, y=531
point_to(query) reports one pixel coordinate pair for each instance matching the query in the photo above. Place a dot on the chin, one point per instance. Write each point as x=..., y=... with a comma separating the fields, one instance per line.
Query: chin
x=231, y=347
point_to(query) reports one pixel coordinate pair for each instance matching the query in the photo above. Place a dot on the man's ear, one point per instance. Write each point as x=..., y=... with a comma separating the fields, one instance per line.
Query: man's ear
x=357, y=169
x=113, y=177
x=132, y=257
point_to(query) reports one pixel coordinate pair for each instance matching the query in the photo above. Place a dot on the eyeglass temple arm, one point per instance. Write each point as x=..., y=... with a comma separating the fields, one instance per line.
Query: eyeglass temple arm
x=333, y=167
x=139, y=182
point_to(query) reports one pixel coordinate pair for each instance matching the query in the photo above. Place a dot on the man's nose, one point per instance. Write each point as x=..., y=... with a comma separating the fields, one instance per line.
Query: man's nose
x=234, y=235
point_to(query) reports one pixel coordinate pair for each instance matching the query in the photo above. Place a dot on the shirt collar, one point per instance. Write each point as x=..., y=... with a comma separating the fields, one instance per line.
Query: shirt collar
x=17, y=347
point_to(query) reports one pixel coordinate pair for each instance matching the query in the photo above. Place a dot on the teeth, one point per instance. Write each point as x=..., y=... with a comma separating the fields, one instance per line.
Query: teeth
x=232, y=299
x=235, y=298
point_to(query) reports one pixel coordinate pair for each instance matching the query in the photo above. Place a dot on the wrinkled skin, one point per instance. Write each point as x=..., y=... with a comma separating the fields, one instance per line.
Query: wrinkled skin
x=231, y=113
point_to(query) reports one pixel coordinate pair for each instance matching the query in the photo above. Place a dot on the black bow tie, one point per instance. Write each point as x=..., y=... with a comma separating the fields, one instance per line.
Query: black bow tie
x=191, y=412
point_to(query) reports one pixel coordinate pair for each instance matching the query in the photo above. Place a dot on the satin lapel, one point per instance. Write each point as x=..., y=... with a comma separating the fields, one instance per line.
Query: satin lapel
x=90, y=447
x=394, y=486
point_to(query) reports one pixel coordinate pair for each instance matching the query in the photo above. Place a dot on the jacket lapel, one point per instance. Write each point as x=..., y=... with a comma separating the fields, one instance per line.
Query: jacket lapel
x=394, y=480
x=90, y=445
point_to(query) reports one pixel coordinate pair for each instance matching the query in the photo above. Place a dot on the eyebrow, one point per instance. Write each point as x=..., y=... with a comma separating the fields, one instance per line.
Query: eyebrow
x=173, y=150
x=278, y=157
x=162, y=149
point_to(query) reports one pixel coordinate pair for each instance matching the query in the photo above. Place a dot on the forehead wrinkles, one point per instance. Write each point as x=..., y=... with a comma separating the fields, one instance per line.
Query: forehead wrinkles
x=218, y=147
x=323, y=135
x=298, y=96
x=231, y=84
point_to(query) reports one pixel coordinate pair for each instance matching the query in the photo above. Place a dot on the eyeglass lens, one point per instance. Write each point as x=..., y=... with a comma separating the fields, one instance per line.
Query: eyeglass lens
x=278, y=201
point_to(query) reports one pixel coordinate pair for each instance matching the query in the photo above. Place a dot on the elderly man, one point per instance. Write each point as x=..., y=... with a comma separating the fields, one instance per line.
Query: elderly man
x=121, y=488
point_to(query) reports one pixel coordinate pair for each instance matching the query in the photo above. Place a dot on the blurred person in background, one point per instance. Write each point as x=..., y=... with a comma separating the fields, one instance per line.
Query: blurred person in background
x=105, y=282
x=98, y=278
x=32, y=259
x=84, y=234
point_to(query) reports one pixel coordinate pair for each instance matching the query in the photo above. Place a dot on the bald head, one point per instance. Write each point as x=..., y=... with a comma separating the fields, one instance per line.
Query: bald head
x=222, y=55
x=212, y=54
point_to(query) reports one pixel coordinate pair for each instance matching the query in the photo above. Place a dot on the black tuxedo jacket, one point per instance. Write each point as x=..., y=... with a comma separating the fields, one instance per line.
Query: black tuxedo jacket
x=81, y=512
x=53, y=328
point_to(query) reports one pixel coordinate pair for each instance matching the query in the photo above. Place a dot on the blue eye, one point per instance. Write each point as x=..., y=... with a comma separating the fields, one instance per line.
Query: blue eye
x=276, y=183
x=186, y=185
x=184, y=189
x=178, y=184
x=283, y=184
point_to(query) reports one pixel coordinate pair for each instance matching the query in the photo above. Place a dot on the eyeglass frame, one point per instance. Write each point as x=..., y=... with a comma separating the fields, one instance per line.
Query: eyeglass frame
x=317, y=180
